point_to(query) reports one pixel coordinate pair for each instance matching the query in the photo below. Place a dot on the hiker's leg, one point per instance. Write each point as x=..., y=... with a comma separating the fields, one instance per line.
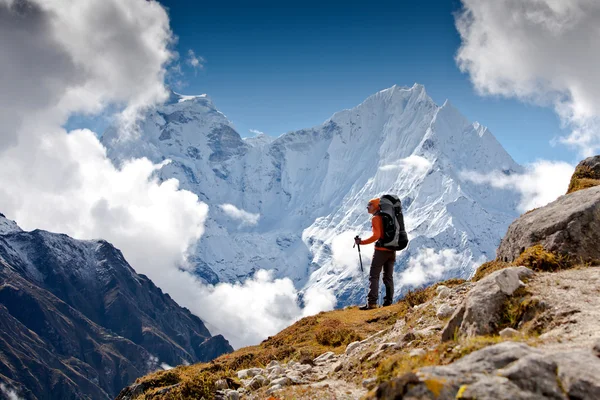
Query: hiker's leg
x=388, y=277
x=375, y=271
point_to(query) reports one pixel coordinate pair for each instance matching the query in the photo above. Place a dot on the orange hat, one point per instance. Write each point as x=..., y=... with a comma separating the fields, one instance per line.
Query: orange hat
x=374, y=202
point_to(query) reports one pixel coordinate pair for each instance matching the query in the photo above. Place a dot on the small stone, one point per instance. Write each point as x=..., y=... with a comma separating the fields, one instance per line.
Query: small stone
x=275, y=371
x=291, y=363
x=284, y=381
x=302, y=368
x=364, y=357
x=232, y=395
x=443, y=292
x=221, y=384
x=369, y=383
x=408, y=337
x=274, y=388
x=375, y=355
x=417, y=353
x=509, y=332
x=439, y=288
x=249, y=373
x=351, y=347
x=384, y=346
x=324, y=357
x=272, y=364
x=444, y=311
x=596, y=348
x=337, y=366
x=257, y=382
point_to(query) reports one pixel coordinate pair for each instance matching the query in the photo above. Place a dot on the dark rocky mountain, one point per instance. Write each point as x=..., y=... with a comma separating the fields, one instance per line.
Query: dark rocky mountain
x=77, y=322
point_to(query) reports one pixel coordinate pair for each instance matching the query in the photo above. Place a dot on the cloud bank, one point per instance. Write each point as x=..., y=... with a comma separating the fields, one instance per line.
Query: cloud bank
x=543, y=182
x=430, y=265
x=542, y=51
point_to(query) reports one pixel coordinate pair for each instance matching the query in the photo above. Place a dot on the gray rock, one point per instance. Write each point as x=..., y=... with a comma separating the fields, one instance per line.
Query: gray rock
x=596, y=348
x=569, y=225
x=496, y=388
x=443, y=292
x=509, y=332
x=480, y=312
x=352, y=346
x=444, y=311
x=221, y=384
x=440, y=288
x=274, y=388
x=324, y=357
x=275, y=371
x=272, y=364
x=338, y=366
x=369, y=383
x=417, y=353
x=284, y=381
x=384, y=346
x=579, y=375
x=375, y=355
x=535, y=374
x=249, y=373
x=257, y=382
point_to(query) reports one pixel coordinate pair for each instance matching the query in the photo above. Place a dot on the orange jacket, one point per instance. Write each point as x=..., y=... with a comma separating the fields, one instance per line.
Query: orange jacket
x=377, y=225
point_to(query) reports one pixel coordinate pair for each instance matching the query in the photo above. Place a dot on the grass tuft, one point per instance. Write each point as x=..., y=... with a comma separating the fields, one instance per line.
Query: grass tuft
x=584, y=177
x=539, y=259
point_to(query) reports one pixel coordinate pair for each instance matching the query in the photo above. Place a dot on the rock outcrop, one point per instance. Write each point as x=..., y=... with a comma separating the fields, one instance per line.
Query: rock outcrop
x=480, y=312
x=76, y=319
x=568, y=226
x=506, y=371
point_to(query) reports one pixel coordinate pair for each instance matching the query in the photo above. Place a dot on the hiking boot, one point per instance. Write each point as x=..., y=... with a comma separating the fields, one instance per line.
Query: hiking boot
x=386, y=303
x=368, y=307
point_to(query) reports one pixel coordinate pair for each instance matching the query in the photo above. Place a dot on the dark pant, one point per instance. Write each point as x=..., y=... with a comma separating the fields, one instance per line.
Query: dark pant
x=382, y=259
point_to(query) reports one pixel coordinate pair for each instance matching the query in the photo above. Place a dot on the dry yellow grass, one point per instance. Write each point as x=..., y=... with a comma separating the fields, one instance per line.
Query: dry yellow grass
x=584, y=177
x=309, y=337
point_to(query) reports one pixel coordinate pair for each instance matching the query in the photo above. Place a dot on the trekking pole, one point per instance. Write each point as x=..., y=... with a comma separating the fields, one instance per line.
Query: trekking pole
x=359, y=256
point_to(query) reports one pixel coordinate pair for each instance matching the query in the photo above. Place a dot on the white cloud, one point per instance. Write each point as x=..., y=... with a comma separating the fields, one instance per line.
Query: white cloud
x=544, y=51
x=429, y=265
x=345, y=257
x=542, y=183
x=245, y=217
x=419, y=164
x=195, y=61
x=9, y=393
x=248, y=312
x=256, y=132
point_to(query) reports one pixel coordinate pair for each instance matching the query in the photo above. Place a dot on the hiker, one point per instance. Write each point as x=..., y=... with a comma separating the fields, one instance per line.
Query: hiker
x=382, y=258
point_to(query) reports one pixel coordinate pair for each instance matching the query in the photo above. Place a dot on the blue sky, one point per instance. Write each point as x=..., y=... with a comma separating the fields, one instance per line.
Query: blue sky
x=281, y=66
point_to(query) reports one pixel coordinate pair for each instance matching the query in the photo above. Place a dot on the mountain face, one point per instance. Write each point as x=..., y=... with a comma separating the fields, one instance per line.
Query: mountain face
x=77, y=322
x=310, y=188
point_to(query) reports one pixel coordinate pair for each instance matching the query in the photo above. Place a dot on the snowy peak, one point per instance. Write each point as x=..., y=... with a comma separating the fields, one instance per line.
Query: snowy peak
x=8, y=226
x=309, y=186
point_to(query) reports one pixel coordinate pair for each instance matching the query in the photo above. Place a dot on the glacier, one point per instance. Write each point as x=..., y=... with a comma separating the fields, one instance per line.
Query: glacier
x=307, y=190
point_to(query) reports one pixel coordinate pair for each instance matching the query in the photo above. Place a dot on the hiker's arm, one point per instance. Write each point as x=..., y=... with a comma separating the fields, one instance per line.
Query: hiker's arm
x=376, y=224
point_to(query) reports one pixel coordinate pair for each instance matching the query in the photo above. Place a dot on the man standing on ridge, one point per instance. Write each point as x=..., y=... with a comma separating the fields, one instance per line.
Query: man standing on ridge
x=382, y=258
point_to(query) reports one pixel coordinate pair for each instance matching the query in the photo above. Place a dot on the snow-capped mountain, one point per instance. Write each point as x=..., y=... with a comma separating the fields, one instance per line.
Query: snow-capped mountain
x=306, y=190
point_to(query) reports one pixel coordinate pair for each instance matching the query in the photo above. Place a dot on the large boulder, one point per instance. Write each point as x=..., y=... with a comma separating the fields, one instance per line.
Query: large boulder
x=507, y=370
x=480, y=313
x=570, y=225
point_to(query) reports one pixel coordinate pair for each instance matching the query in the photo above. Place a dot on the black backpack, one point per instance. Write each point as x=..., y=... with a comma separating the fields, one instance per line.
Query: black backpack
x=394, y=233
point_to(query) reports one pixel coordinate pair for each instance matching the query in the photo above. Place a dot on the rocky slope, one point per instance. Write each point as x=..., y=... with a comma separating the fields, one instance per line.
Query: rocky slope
x=529, y=330
x=79, y=323
x=305, y=189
